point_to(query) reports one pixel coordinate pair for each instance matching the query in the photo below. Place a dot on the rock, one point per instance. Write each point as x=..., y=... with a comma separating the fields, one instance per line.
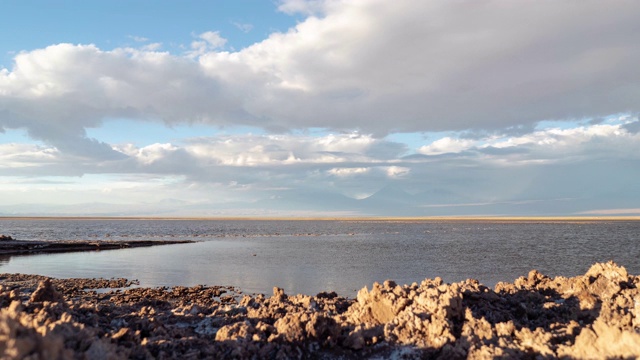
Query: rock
x=239, y=331
x=19, y=340
x=323, y=328
x=46, y=292
x=291, y=327
x=596, y=315
x=279, y=295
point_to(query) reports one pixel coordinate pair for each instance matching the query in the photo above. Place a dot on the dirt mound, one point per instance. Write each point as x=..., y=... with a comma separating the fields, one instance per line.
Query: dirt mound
x=596, y=315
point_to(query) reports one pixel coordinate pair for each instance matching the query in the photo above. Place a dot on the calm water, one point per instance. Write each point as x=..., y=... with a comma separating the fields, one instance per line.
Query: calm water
x=313, y=256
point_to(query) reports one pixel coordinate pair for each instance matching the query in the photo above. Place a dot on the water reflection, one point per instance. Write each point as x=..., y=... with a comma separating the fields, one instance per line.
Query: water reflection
x=344, y=257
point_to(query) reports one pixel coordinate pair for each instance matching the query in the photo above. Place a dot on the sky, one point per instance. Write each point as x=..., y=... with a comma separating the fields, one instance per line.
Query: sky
x=320, y=108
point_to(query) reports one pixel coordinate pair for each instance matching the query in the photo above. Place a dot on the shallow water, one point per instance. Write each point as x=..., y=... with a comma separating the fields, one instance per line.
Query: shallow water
x=313, y=256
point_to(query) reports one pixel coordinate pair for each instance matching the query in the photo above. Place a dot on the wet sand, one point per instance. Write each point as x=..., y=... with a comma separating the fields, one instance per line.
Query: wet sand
x=596, y=315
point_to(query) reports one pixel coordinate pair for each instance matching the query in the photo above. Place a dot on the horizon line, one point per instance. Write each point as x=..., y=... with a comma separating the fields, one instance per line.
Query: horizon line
x=337, y=218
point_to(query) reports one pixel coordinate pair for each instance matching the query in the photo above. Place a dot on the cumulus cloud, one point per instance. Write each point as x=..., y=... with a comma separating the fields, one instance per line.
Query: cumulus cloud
x=376, y=66
x=384, y=66
x=57, y=92
x=485, y=73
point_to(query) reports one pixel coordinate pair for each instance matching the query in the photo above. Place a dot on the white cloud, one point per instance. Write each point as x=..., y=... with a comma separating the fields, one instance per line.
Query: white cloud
x=377, y=66
x=594, y=162
x=446, y=145
x=542, y=146
x=259, y=150
x=152, y=47
x=213, y=39
x=397, y=171
x=565, y=145
x=244, y=27
x=152, y=153
x=209, y=41
x=360, y=69
x=342, y=172
x=14, y=155
x=305, y=7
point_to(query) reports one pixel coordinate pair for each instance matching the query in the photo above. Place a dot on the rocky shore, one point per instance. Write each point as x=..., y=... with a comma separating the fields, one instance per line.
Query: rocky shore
x=596, y=315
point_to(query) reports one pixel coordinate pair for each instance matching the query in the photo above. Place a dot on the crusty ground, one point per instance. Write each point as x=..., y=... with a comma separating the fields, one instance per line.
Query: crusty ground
x=596, y=315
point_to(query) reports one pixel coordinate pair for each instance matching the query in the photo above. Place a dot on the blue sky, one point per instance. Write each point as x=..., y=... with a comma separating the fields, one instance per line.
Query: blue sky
x=319, y=108
x=121, y=23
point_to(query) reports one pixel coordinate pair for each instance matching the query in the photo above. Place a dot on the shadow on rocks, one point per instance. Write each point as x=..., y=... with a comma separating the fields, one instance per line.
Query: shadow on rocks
x=594, y=315
x=591, y=316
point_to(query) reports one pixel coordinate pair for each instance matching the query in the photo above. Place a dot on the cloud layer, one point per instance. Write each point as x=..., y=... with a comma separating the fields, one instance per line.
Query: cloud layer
x=485, y=73
x=551, y=171
x=375, y=66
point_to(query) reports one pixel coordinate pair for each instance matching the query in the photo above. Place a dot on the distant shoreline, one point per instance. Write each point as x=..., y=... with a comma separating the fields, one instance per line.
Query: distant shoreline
x=359, y=218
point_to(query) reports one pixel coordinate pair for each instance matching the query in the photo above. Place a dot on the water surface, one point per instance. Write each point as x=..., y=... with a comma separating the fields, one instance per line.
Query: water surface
x=313, y=256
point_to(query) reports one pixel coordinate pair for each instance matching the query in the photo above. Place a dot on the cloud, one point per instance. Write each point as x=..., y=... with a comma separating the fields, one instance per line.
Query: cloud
x=548, y=145
x=483, y=73
x=152, y=47
x=375, y=66
x=397, y=171
x=342, y=172
x=261, y=150
x=339, y=155
x=305, y=7
x=448, y=65
x=57, y=92
x=635, y=211
x=138, y=38
x=209, y=41
x=245, y=28
x=213, y=39
x=14, y=155
x=567, y=170
x=446, y=145
x=632, y=127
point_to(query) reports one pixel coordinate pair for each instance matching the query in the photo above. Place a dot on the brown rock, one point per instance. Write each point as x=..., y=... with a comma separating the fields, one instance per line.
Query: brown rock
x=46, y=292
x=239, y=331
x=592, y=316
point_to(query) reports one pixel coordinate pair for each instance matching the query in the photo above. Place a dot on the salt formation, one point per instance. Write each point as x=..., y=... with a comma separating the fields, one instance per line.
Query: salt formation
x=596, y=315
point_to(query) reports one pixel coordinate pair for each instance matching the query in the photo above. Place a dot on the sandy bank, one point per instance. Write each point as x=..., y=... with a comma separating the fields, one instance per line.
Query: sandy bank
x=596, y=315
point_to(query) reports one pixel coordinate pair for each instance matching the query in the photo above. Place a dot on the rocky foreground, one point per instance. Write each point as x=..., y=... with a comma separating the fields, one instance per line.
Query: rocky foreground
x=592, y=316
